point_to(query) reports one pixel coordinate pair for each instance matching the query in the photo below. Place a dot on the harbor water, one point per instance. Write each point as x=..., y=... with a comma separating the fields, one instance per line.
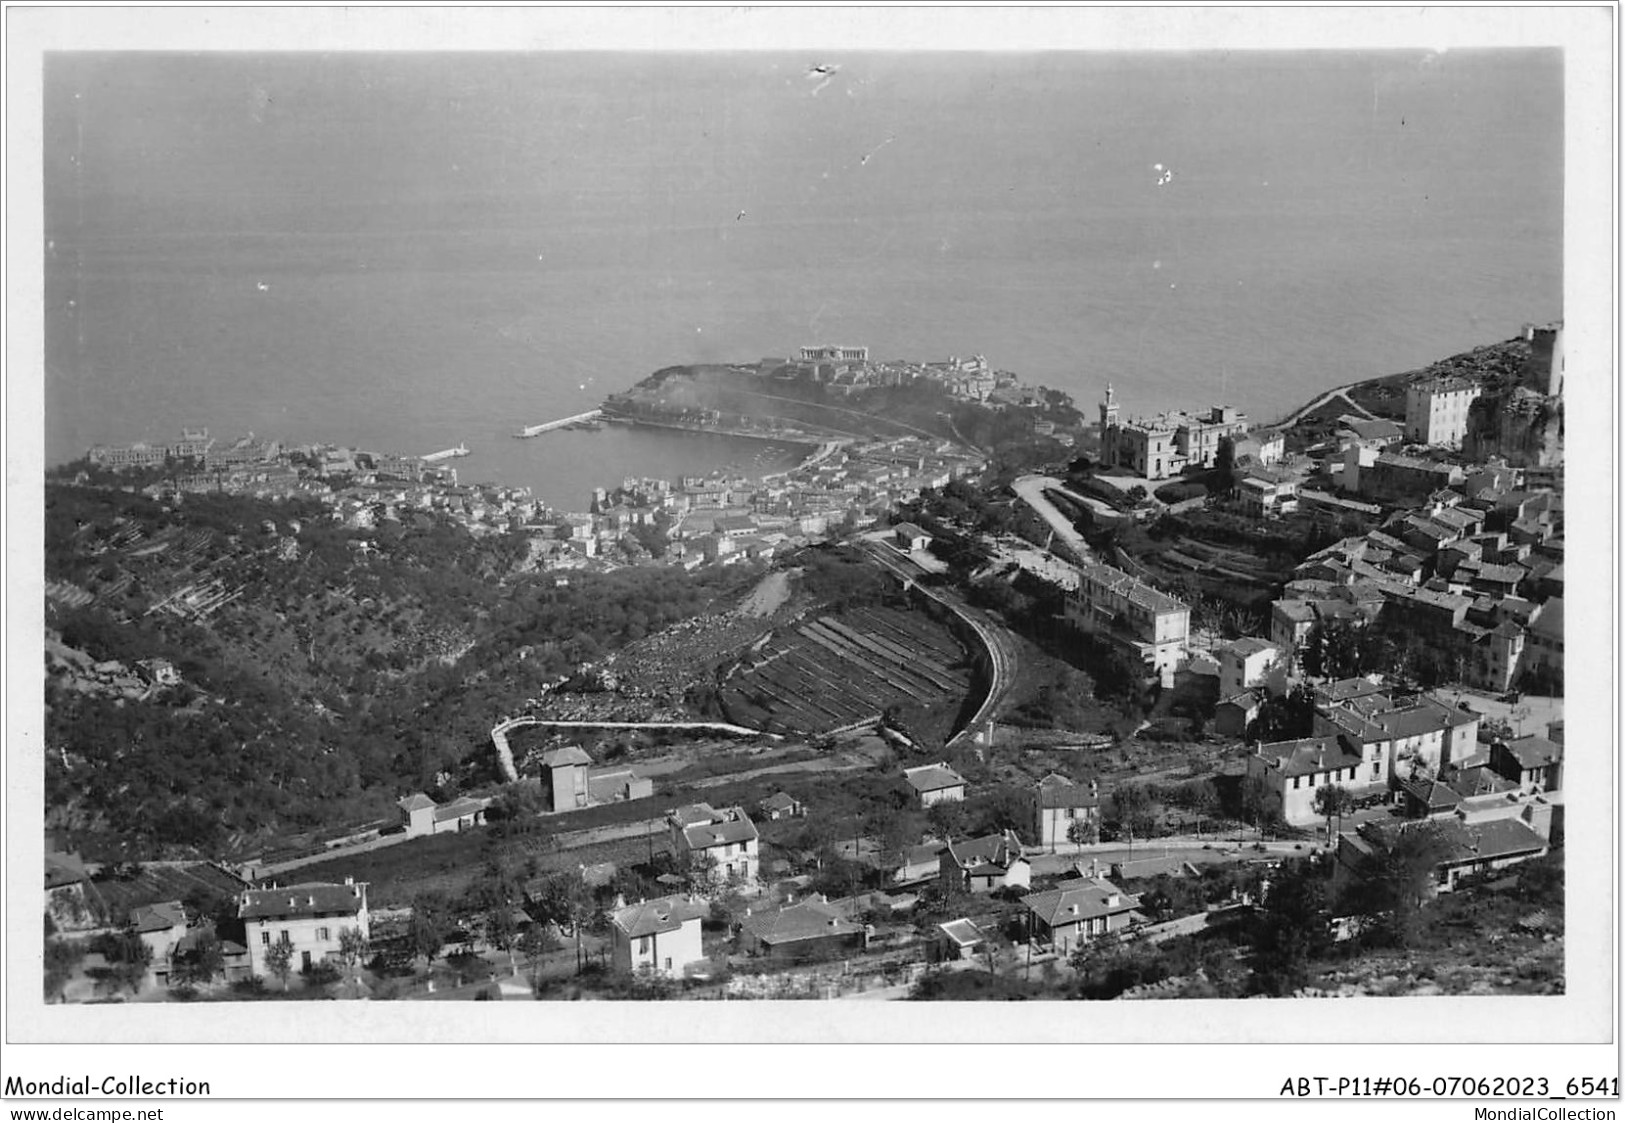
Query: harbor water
x=404, y=253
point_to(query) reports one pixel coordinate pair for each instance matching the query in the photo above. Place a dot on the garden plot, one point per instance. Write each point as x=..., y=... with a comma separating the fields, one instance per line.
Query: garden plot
x=118, y=894
x=835, y=670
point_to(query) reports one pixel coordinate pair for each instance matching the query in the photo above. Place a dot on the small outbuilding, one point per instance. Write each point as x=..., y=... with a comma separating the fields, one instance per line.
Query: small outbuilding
x=935, y=783
x=782, y=805
x=910, y=538
x=958, y=939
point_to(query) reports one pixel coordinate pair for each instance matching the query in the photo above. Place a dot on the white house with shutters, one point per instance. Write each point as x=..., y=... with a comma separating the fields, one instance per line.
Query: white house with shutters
x=309, y=916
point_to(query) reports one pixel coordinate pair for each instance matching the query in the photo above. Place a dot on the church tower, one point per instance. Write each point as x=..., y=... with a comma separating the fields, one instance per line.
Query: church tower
x=1108, y=428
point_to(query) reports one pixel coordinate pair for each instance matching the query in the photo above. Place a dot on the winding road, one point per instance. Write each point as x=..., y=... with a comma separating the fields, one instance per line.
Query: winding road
x=1030, y=489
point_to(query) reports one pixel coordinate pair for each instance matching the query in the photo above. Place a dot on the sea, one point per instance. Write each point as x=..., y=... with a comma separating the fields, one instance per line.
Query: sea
x=404, y=252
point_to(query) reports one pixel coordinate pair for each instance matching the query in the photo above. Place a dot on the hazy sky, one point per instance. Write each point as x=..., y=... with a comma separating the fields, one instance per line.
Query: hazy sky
x=522, y=225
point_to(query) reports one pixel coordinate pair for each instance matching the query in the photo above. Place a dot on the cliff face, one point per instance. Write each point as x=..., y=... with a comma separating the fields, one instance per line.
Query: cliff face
x=1521, y=426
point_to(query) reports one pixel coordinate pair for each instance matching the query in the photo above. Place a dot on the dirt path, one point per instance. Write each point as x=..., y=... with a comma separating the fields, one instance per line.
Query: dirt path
x=1340, y=392
x=1031, y=490
x=769, y=594
x=851, y=760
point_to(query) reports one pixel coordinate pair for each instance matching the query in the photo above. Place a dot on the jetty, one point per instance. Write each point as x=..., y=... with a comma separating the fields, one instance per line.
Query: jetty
x=446, y=454
x=549, y=426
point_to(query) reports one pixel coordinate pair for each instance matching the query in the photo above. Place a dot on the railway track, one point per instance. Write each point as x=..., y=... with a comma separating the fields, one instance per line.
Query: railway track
x=1001, y=651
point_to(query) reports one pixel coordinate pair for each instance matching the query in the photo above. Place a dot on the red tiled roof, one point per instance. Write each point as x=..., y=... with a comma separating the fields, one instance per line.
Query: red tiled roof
x=721, y=830
x=64, y=869
x=1344, y=689
x=1433, y=795
x=925, y=852
x=1533, y=752
x=1055, y=790
x=1465, y=843
x=1490, y=840
x=1309, y=756
x=933, y=777
x=562, y=758
x=311, y=899
x=159, y=917
x=996, y=850
x=1470, y=781
x=457, y=808
x=1074, y=901
x=810, y=920
x=1375, y=719
x=691, y=813
x=1250, y=645
x=664, y=914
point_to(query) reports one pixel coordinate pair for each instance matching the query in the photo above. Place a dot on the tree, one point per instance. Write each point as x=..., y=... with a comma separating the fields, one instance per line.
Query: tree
x=207, y=904
x=1333, y=800
x=1295, y=929
x=1133, y=805
x=1224, y=466
x=1081, y=831
x=1285, y=717
x=1379, y=653
x=1121, y=679
x=896, y=831
x=206, y=959
x=703, y=877
x=1108, y=965
x=946, y=818
x=279, y=958
x=517, y=807
x=502, y=932
x=1311, y=652
x=538, y=940
x=1005, y=808
x=352, y=947
x=128, y=957
x=1543, y=680
x=564, y=898
x=816, y=835
x=1202, y=798
x=1256, y=800
x=429, y=925
x=61, y=957
x=1395, y=881
x=1337, y=649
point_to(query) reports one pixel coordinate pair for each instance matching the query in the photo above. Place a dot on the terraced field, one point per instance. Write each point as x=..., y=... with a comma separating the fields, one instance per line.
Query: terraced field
x=114, y=897
x=834, y=670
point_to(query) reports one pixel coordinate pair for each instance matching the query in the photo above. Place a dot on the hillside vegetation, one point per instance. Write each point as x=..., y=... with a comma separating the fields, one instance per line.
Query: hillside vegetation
x=319, y=680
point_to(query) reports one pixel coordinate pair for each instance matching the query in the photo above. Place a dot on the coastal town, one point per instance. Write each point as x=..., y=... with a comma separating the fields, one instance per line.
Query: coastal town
x=1060, y=707
x=844, y=480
